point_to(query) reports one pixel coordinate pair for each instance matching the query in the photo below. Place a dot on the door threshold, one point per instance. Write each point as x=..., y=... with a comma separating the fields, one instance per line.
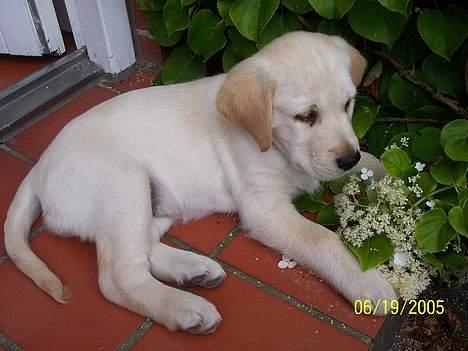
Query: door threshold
x=30, y=96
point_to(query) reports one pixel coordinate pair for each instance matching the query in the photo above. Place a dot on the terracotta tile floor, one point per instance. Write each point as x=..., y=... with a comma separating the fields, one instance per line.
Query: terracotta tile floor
x=263, y=307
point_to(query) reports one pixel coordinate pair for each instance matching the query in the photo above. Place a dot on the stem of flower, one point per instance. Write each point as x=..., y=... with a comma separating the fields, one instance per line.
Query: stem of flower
x=432, y=194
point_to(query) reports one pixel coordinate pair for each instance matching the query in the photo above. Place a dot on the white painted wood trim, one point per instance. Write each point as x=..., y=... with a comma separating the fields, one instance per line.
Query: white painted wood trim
x=29, y=27
x=3, y=47
x=50, y=26
x=18, y=29
x=103, y=27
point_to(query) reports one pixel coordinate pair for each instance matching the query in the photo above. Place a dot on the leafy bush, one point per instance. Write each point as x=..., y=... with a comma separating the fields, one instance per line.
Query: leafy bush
x=415, y=85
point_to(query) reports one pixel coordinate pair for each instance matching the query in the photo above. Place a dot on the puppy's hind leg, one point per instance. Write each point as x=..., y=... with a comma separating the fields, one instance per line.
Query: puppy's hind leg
x=123, y=245
x=179, y=266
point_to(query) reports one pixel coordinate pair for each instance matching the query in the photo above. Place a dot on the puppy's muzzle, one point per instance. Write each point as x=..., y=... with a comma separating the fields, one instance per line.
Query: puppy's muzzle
x=348, y=161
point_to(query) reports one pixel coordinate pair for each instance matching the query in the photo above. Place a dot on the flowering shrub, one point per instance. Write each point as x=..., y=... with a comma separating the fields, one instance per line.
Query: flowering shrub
x=412, y=223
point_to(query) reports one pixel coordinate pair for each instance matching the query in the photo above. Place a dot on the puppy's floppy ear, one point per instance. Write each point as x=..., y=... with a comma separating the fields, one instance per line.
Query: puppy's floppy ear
x=246, y=100
x=358, y=65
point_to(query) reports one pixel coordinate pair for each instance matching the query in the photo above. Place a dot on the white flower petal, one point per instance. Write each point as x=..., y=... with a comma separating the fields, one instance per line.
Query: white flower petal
x=364, y=170
x=292, y=264
x=364, y=176
x=282, y=264
x=370, y=173
x=285, y=258
x=400, y=259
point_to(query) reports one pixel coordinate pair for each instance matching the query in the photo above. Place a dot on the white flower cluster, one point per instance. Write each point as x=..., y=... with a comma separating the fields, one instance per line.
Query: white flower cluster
x=387, y=212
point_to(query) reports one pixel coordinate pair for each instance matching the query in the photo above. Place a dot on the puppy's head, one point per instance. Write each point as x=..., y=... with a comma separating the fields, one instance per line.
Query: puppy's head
x=298, y=94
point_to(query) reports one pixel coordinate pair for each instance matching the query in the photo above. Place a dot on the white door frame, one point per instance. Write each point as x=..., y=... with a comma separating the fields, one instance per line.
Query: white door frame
x=103, y=27
x=29, y=27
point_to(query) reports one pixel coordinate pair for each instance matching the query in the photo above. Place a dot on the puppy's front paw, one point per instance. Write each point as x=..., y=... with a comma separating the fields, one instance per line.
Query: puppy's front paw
x=371, y=285
x=193, y=314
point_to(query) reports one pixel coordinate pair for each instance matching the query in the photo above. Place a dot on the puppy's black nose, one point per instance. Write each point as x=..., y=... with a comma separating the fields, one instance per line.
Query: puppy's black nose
x=348, y=161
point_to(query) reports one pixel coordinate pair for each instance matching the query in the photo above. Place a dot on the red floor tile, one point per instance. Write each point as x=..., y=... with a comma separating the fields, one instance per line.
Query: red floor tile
x=14, y=68
x=87, y=322
x=261, y=262
x=142, y=78
x=206, y=233
x=253, y=320
x=34, y=140
x=12, y=173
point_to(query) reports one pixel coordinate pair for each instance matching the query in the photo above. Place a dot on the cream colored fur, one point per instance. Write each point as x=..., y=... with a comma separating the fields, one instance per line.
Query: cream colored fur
x=124, y=171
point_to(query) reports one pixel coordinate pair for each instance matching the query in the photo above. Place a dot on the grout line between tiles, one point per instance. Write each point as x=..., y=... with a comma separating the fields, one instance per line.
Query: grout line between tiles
x=17, y=154
x=225, y=242
x=8, y=344
x=279, y=294
x=136, y=335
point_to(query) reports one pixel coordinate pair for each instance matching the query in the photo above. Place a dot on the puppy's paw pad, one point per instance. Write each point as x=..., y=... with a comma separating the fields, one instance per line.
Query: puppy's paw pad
x=195, y=280
x=213, y=283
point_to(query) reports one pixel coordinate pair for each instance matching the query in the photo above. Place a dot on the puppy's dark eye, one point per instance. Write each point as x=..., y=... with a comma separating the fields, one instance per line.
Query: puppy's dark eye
x=310, y=117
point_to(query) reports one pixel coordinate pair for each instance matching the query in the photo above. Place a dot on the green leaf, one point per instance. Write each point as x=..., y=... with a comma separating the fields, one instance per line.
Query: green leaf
x=443, y=31
x=458, y=218
x=453, y=259
x=426, y=144
x=462, y=198
x=157, y=28
x=433, y=232
x=411, y=98
x=396, y=139
x=186, y=2
x=251, y=16
x=332, y=9
x=410, y=47
x=281, y=23
x=433, y=260
x=206, y=34
x=307, y=203
x=400, y=6
x=364, y=114
x=454, y=139
x=327, y=215
x=336, y=186
x=224, y=6
x=395, y=162
x=447, y=199
x=297, y=6
x=457, y=149
x=176, y=16
x=181, y=66
x=426, y=183
x=373, y=251
x=151, y=5
x=242, y=47
x=373, y=21
x=379, y=135
x=229, y=58
x=445, y=77
x=339, y=28
x=448, y=172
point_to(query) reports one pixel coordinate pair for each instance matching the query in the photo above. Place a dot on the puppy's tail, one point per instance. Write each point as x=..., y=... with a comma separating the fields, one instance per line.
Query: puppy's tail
x=22, y=213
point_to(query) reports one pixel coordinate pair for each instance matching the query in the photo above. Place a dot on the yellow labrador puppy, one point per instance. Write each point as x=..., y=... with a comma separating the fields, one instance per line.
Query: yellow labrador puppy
x=249, y=141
